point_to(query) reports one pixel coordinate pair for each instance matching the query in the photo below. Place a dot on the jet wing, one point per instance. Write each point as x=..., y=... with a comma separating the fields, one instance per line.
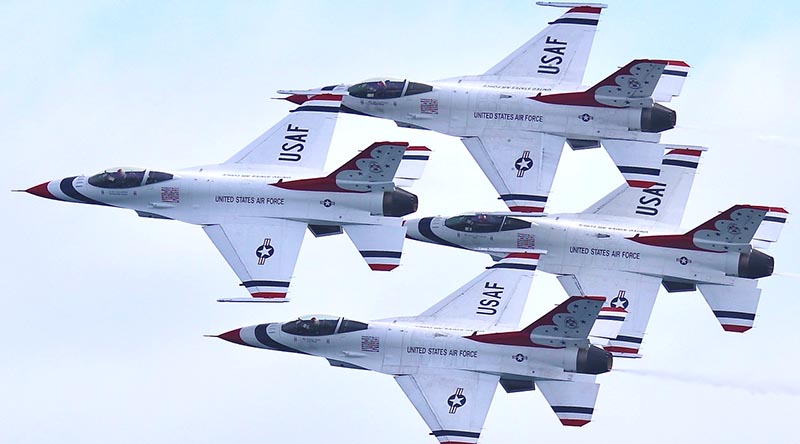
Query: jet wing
x=660, y=198
x=453, y=403
x=299, y=141
x=262, y=252
x=557, y=55
x=636, y=293
x=520, y=164
x=493, y=300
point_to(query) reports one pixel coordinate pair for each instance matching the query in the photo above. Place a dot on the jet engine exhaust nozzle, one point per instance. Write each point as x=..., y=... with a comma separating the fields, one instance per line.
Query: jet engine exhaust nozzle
x=756, y=265
x=594, y=361
x=399, y=203
x=657, y=119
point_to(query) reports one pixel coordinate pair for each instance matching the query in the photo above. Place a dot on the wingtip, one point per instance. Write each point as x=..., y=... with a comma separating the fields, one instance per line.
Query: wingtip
x=735, y=328
x=382, y=267
x=575, y=422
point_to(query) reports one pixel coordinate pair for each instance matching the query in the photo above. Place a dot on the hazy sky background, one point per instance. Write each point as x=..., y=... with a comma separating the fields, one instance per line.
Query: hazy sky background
x=102, y=313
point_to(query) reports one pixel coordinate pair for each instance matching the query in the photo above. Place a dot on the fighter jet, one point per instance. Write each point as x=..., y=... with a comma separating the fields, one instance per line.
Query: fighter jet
x=253, y=211
x=625, y=246
x=449, y=359
x=515, y=117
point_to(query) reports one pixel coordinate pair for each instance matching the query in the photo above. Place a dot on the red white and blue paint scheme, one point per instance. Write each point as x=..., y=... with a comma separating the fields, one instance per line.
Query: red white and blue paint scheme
x=256, y=208
x=625, y=247
x=515, y=118
x=449, y=359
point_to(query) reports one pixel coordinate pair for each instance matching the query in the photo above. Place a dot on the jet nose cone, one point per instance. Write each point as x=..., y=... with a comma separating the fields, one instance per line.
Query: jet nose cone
x=42, y=191
x=233, y=336
x=412, y=229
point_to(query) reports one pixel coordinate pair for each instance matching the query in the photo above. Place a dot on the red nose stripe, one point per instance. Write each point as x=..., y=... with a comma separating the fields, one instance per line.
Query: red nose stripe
x=42, y=191
x=233, y=336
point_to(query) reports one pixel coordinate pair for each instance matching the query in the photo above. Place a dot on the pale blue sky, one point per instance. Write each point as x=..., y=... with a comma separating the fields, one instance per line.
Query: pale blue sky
x=102, y=313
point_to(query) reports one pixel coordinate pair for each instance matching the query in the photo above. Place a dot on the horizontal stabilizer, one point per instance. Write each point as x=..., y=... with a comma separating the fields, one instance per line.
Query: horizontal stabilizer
x=573, y=402
x=412, y=166
x=734, y=305
x=671, y=82
x=371, y=170
x=639, y=162
x=380, y=245
x=770, y=229
x=607, y=326
x=636, y=293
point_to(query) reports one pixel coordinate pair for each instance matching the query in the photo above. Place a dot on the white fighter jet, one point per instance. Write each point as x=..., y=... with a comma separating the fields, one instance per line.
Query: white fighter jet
x=625, y=247
x=449, y=359
x=252, y=210
x=515, y=118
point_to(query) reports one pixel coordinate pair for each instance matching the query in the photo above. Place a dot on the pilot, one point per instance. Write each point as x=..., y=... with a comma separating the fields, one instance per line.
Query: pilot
x=116, y=176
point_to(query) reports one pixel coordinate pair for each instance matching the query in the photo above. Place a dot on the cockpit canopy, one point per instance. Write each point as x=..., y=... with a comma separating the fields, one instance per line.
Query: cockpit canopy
x=321, y=325
x=387, y=89
x=127, y=178
x=485, y=223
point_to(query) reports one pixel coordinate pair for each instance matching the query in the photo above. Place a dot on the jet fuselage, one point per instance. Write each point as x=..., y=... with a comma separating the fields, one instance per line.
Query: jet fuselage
x=396, y=347
x=465, y=107
x=202, y=195
x=573, y=243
